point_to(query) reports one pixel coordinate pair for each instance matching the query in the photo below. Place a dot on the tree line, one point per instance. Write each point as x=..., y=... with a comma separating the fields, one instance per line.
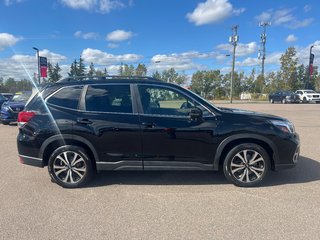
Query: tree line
x=209, y=83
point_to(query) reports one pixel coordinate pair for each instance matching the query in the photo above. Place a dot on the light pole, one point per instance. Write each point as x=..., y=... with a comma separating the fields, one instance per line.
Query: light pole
x=233, y=40
x=38, y=58
x=311, y=57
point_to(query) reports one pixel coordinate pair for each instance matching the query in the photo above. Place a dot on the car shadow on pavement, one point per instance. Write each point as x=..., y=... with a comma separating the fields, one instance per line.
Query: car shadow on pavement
x=157, y=178
x=307, y=170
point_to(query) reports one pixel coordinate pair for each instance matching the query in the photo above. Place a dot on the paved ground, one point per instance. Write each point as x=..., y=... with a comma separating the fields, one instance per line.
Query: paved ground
x=166, y=205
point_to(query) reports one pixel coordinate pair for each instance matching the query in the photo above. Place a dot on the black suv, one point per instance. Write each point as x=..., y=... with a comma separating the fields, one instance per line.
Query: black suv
x=79, y=126
x=284, y=97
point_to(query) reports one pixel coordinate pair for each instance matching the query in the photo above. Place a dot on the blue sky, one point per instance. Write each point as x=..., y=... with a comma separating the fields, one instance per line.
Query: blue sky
x=188, y=35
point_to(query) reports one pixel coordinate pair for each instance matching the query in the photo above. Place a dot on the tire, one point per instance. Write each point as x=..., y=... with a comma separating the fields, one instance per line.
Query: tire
x=246, y=165
x=271, y=100
x=70, y=167
x=304, y=100
x=284, y=101
x=5, y=123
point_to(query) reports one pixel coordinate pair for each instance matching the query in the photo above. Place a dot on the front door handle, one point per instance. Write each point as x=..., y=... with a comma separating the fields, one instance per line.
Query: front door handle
x=148, y=125
x=84, y=121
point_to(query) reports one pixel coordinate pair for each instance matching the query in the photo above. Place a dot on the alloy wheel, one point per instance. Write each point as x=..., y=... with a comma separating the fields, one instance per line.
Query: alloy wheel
x=69, y=167
x=247, y=166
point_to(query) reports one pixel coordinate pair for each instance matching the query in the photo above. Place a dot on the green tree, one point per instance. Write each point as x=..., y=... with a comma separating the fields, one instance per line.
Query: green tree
x=141, y=70
x=156, y=75
x=172, y=76
x=92, y=70
x=81, y=68
x=73, y=69
x=288, y=69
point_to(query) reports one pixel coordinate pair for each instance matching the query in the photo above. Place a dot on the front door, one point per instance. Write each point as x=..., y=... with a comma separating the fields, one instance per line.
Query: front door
x=170, y=138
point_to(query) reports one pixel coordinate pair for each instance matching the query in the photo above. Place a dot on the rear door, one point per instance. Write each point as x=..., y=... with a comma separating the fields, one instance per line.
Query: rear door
x=108, y=119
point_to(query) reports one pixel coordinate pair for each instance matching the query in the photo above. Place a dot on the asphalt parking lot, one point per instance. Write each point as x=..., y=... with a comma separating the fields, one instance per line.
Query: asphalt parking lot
x=167, y=205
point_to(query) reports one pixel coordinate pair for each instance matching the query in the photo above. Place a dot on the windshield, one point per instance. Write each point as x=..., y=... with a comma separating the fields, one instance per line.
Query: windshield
x=23, y=97
x=310, y=91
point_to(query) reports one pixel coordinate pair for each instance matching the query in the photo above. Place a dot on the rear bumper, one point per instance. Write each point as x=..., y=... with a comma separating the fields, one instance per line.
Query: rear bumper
x=32, y=161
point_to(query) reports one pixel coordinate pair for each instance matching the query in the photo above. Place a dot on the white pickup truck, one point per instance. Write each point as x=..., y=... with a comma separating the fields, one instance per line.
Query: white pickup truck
x=308, y=96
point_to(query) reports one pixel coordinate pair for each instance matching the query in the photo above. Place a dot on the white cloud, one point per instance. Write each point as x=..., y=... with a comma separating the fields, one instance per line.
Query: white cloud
x=7, y=40
x=119, y=35
x=212, y=11
x=113, y=45
x=24, y=66
x=86, y=36
x=102, y=58
x=10, y=2
x=101, y=6
x=241, y=50
x=283, y=17
x=181, y=61
x=291, y=38
x=306, y=8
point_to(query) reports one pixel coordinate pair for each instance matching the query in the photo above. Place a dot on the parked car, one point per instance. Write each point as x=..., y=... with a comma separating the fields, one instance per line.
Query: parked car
x=10, y=109
x=137, y=123
x=284, y=97
x=8, y=96
x=307, y=96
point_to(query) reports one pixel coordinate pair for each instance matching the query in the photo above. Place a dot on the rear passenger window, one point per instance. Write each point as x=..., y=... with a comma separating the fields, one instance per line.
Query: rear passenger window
x=67, y=97
x=109, y=98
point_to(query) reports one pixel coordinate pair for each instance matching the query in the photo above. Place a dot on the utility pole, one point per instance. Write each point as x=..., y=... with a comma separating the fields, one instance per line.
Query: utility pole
x=263, y=37
x=233, y=39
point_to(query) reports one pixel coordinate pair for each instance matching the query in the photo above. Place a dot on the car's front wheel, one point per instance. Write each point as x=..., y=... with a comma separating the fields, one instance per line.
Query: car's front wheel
x=70, y=166
x=246, y=165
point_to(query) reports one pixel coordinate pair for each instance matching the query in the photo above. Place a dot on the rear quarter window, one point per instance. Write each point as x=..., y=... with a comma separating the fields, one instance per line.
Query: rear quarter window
x=67, y=97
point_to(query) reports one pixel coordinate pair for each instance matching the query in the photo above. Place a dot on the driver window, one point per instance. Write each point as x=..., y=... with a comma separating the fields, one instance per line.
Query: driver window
x=162, y=101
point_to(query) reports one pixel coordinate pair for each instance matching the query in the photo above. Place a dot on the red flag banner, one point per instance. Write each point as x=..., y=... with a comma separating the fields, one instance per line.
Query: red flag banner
x=310, y=69
x=43, y=71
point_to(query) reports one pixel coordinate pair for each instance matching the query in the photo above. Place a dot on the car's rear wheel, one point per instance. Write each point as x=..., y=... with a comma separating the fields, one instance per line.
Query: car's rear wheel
x=5, y=123
x=246, y=165
x=70, y=167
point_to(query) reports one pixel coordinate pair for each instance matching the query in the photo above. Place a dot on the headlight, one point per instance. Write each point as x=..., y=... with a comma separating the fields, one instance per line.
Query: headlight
x=284, y=126
x=5, y=108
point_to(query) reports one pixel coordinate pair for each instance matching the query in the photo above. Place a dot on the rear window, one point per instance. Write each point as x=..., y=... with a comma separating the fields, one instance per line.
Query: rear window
x=67, y=97
x=109, y=98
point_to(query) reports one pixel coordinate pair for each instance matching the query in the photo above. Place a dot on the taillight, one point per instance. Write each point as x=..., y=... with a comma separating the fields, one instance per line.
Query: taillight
x=24, y=117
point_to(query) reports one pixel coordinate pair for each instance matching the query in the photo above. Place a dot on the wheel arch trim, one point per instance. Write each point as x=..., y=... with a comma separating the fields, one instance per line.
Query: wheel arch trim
x=232, y=138
x=62, y=138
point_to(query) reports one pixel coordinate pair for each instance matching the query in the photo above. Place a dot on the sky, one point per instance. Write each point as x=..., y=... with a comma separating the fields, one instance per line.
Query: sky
x=188, y=35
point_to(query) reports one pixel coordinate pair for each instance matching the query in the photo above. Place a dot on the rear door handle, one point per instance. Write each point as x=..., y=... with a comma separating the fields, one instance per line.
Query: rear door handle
x=148, y=125
x=84, y=121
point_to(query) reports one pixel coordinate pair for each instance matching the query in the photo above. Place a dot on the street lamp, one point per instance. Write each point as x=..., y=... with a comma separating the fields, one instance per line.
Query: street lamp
x=311, y=57
x=38, y=58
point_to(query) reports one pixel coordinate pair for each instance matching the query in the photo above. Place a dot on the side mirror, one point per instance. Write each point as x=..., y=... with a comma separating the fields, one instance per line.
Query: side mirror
x=195, y=114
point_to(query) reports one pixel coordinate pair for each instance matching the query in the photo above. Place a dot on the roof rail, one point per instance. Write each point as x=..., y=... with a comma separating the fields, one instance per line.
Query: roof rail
x=106, y=77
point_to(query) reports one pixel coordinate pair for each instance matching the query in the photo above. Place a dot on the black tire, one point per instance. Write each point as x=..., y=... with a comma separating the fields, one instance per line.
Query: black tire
x=246, y=174
x=70, y=167
x=304, y=100
x=5, y=123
